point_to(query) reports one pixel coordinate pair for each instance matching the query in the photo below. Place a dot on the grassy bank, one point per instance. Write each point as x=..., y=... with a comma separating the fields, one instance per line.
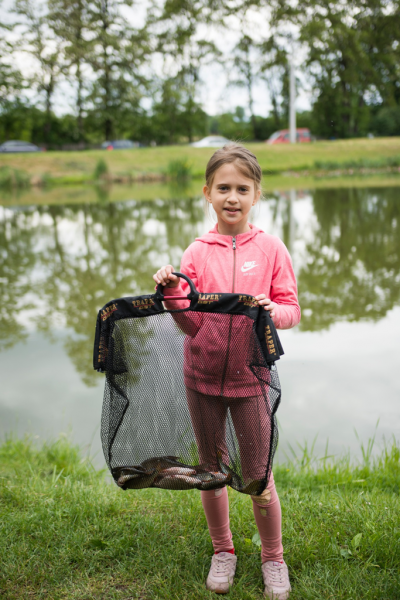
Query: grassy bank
x=83, y=194
x=67, y=534
x=149, y=164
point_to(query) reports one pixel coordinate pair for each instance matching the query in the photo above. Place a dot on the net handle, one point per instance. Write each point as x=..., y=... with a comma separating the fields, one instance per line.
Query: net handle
x=192, y=295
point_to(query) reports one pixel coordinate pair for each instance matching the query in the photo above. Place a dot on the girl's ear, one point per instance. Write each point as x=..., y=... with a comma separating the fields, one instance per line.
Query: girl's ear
x=256, y=197
x=206, y=193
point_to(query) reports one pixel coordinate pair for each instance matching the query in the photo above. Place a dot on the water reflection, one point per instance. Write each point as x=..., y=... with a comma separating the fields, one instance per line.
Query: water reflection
x=352, y=268
x=61, y=263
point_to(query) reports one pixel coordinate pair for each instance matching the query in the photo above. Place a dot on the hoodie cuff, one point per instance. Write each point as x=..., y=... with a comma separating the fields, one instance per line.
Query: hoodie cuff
x=174, y=304
x=286, y=316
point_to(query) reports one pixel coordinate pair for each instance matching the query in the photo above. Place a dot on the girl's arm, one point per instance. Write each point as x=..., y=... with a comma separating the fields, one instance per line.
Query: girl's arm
x=286, y=312
x=188, y=322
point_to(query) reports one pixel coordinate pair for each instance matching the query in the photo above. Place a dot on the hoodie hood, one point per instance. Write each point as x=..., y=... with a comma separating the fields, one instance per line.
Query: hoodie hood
x=214, y=237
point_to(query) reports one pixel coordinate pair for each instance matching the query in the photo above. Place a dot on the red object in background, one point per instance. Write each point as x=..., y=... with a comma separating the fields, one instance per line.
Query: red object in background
x=110, y=147
x=283, y=136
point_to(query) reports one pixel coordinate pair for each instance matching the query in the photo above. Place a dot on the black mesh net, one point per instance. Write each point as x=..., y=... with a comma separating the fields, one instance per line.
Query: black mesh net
x=190, y=394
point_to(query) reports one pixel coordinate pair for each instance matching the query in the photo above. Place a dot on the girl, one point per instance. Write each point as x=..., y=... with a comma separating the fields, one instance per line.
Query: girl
x=236, y=256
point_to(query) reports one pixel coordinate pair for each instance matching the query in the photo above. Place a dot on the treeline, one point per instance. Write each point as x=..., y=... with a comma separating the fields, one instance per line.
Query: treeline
x=137, y=70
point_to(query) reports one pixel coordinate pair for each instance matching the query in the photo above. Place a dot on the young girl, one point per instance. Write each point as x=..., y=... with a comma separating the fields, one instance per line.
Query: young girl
x=236, y=256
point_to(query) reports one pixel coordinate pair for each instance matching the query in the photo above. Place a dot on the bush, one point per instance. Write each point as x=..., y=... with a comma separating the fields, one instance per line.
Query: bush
x=387, y=121
x=180, y=170
x=101, y=170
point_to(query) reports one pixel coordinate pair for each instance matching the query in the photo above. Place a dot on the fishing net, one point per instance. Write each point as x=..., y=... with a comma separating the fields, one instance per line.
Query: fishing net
x=190, y=394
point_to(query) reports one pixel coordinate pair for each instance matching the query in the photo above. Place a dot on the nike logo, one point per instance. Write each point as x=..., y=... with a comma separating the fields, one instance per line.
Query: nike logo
x=248, y=265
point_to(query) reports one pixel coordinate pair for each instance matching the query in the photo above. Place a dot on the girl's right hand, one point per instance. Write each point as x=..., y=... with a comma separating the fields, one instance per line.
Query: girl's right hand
x=165, y=277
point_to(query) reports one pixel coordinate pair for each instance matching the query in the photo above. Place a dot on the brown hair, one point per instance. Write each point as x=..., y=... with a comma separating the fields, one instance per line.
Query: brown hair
x=247, y=163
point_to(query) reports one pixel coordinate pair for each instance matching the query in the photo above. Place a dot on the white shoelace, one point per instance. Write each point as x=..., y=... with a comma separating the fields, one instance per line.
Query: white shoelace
x=221, y=564
x=276, y=573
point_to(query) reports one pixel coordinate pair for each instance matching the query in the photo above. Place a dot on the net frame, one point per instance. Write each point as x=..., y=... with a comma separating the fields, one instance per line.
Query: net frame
x=165, y=470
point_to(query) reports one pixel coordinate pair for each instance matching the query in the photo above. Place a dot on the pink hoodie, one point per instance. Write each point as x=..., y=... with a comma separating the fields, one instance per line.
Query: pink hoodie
x=250, y=263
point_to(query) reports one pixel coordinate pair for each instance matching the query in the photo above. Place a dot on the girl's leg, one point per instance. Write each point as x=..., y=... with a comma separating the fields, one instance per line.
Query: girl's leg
x=216, y=508
x=208, y=415
x=252, y=423
x=268, y=517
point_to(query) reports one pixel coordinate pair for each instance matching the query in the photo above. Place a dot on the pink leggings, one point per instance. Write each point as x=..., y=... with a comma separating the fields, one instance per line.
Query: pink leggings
x=268, y=518
x=251, y=421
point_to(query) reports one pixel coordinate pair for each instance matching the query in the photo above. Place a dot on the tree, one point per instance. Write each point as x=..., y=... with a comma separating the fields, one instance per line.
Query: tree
x=118, y=51
x=261, y=54
x=11, y=80
x=245, y=61
x=353, y=56
x=184, y=50
x=69, y=20
x=46, y=48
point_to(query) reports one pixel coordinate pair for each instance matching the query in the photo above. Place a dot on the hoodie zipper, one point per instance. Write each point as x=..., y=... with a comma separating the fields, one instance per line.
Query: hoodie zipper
x=234, y=263
x=230, y=319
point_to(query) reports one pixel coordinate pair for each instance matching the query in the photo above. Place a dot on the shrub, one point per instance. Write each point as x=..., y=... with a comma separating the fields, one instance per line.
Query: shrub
x=101, y=170
x=180, y=170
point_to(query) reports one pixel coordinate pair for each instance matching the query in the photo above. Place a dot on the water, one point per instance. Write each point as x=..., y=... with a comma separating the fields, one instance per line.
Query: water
x=60, y=263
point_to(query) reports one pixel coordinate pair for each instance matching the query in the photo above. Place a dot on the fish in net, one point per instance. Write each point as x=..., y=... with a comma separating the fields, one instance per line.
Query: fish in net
x=191, y=393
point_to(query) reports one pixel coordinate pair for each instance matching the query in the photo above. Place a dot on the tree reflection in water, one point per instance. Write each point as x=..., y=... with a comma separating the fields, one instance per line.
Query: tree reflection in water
x=352, y=269
x=60, y=264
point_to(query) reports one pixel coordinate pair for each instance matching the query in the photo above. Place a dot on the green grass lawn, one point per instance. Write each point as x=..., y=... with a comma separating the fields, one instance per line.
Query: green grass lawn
x=68, y=533
x=79, y=166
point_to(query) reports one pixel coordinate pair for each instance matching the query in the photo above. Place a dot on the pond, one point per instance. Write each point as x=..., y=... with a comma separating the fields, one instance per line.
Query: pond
x=61, y=262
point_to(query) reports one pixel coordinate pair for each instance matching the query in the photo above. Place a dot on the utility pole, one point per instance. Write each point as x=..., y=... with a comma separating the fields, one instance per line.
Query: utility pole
x=292, y=104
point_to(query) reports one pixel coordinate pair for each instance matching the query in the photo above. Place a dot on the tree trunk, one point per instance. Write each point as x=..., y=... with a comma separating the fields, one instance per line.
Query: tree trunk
x=79, y=101
x=251, y=102
x=47, y=123
x=108, y=125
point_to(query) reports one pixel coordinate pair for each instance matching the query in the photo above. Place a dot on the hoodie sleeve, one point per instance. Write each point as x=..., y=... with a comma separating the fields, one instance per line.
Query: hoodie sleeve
x=284, y=290
x=188, y=322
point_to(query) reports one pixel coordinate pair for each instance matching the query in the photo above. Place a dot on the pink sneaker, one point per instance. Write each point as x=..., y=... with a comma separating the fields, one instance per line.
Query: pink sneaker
x=276, y=580
x=222, y=572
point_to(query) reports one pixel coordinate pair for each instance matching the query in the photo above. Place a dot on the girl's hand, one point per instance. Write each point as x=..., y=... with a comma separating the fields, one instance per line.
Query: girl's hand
x=165, y=277
x=267, y=304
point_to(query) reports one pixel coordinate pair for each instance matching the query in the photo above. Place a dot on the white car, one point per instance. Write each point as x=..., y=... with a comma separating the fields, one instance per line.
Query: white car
x=211, y=141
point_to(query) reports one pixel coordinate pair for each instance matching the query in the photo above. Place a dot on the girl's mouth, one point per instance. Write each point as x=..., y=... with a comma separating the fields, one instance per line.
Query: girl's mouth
x=232, y=210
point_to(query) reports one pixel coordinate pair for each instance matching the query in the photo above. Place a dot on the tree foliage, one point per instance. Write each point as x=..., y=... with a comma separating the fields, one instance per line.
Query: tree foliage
x=138, y=71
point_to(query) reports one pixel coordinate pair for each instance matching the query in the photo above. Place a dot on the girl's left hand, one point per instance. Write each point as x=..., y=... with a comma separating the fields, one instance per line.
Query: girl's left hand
x=267, y=304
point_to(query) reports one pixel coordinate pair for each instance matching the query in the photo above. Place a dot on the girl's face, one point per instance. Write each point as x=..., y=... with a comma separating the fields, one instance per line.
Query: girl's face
x=232, y=195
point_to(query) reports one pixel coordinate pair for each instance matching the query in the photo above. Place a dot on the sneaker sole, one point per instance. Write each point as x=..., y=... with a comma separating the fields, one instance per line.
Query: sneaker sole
x=218, y=590
x=282, y=596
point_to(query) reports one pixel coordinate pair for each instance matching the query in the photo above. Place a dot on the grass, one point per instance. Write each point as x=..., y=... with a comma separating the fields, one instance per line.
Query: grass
x=11, y=179
x=79, y=194
x=150, y=163
x=66, y=533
